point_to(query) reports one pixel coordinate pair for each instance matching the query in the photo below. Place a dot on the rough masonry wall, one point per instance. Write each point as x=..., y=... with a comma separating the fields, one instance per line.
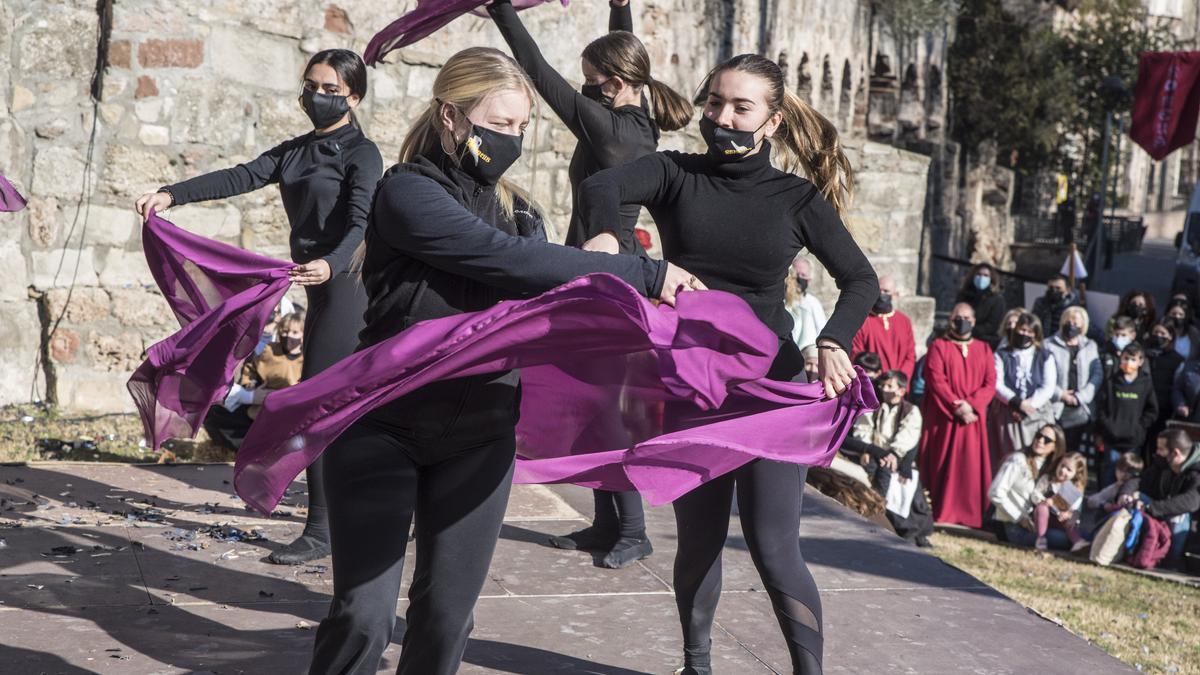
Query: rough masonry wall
x=193, y=87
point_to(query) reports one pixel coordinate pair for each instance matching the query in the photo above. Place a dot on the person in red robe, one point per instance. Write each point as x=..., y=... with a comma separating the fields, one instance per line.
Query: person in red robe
x=888, y=333
x=960, y=381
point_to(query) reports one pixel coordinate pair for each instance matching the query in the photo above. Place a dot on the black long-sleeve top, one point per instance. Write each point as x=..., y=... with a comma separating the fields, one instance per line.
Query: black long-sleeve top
x=607, y=137
x=439, y=244
x=737, y=226
x=326, y=181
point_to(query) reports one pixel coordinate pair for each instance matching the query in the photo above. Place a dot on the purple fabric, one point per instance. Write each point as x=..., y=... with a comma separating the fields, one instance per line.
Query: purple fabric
x=428, y=17
x=223, y=297
x=10, y=199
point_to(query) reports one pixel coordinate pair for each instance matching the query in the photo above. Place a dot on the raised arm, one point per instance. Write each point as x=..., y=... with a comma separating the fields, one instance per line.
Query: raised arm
x=416, y=216
x=363, y=169
x=821, y=230
x=620, y=16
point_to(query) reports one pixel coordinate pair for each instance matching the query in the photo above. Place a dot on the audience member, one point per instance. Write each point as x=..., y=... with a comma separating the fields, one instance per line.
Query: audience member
x=888, y=332
x=1125, y=408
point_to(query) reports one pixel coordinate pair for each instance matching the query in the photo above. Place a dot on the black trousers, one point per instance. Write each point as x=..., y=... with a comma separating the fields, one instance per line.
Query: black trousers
x=376, y=481
x=620, y=513
x=332, y=320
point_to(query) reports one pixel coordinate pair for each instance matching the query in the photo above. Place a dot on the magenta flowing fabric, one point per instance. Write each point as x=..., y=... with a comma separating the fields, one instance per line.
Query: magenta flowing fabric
x=427, y=18
x=223, y=297
x=10, y=199
x=603, y=372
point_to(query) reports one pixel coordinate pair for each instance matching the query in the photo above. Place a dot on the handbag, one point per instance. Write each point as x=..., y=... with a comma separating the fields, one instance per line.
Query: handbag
x=1109, y=543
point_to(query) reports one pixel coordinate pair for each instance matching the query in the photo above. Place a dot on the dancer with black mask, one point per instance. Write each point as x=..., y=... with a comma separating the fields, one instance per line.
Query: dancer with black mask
x=327, y=179
x=612, y=127
x=737, y=222
x=447, y=235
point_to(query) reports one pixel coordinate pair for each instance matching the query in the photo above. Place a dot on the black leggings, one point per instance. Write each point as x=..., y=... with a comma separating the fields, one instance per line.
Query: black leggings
x=620, y=513
x=376, y=481
x=332, y=320
x=768, y=497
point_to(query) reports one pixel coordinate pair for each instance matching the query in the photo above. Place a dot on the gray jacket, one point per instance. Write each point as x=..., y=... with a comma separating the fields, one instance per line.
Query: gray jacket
x=1087, y=367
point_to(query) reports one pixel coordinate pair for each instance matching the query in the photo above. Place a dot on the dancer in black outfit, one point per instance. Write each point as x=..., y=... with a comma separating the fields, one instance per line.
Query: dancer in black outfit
x=613, y=127
x=447, y=235
x=327, y=178
x=737, y=223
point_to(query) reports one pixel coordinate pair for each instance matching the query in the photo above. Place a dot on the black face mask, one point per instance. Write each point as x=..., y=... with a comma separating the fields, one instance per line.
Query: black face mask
x=727, y=145
x=593, y=92
x=962, y=326
x=324, y=110
x=1071, y=331
x=1022, y=341
x=802, y=283
x=485, y=154
x=1156, y=342
x=1136, y=312
x=883, y=305
x=290, y=343
x=1054, y=296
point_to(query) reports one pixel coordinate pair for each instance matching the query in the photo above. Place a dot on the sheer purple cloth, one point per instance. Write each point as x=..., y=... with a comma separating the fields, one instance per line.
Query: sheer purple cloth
x=10, y=199
x=223, y=297
x=601, y=366
x=427, y=18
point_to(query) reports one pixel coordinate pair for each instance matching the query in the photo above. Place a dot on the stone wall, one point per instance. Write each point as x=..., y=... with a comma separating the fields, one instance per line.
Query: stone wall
x=192, y=87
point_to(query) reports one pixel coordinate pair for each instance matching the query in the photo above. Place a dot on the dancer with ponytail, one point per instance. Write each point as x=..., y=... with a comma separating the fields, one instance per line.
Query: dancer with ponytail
x=327, y=179
x=447, y=235
x=612, y=127
x=737, y=222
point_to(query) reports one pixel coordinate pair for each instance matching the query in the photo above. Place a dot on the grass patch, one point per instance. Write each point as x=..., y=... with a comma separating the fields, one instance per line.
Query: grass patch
x=1150, y=623
x=33, y=433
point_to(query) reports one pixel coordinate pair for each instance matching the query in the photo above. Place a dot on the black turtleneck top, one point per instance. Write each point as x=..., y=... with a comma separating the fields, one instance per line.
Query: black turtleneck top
x=607, y=137
x=327, y=183
x=737, y=226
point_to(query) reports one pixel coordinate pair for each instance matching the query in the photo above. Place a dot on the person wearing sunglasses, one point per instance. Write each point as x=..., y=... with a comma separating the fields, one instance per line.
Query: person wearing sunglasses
x=1014, y=490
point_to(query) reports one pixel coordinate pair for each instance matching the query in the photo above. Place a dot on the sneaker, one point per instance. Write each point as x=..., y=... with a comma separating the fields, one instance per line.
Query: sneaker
x=587, y=539
x=693, y=670
x=923, y=542
x=1080, y=545
x=304, y=549
x=626, y=552
x=1040, y=544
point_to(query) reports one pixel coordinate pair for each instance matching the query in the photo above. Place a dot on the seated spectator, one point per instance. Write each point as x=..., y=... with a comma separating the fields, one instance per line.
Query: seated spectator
x=871, y=364
x=1014, y=489
x=284, y=308
x=1125, y=408
x=1165, y=367
x=1026, y=377
x=1169, y=488
x=1105, y=501
x=808, y=316
x=278, y=366
x=981, y=290
x=1077, y=364
x=888, y=332
x=811, y=358
x=1061, y=493
x=1058, y=297
x=1139, y=306
x=884, y=443
x=1187, y=336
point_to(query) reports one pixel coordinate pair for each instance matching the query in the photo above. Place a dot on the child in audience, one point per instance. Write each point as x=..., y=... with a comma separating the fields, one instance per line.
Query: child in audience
x=1062, y=492
x=1126, y=407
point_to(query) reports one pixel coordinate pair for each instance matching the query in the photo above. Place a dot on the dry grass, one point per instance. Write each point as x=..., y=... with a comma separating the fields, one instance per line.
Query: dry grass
x=29, y=433
x=1150, y=623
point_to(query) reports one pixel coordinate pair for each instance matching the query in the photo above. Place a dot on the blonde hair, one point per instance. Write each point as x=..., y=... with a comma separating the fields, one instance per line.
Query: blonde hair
x=464, y=81
x=283, y=323
x=806, y=140
x=1075, y=313
x=1080, y=466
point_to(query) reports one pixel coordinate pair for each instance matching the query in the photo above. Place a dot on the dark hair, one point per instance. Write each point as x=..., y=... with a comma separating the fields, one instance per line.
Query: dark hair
x=1133, y=349
x=1121, y=322
x=868, y=361
x=620, y=54
x=805, y=138
x=1151, y=309
x=1176, y=439
x=1030, y=320
x=968, y=284
x=1167, y=325
x=350, y=70
x=897, y=375
x=1059, y=277
x=1131, y=462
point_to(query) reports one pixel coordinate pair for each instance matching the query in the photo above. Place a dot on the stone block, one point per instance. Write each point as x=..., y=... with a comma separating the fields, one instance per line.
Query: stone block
x=14, y=277
x=46, y=263
x=147, y=111
x=131, y=171
x=215, y=222
x=58, y=172
x=124, y=269
x=82, y=388
x=106, y=225
x=153, y=134
x=114, y=353
x=146, y=87
x=64, y=346
x=337, y=21
x=138, y=307
x=61, y=44
x=115, y=84
x=171, y=53
x=120, y=54
x=256, y=59
x=51, y=129
x=88, y=304
x=43, y=220
x=202, y=113
x=20, y=336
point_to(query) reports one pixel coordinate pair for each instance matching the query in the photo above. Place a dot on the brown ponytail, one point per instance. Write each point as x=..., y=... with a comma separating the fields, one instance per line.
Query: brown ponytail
x=805, y=140
x=621, y=54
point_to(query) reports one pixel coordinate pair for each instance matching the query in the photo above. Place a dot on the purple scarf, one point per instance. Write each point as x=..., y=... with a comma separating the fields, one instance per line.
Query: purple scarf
x=428, y=16
x=223, y=297
x=10, y=199
x=598, y=362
